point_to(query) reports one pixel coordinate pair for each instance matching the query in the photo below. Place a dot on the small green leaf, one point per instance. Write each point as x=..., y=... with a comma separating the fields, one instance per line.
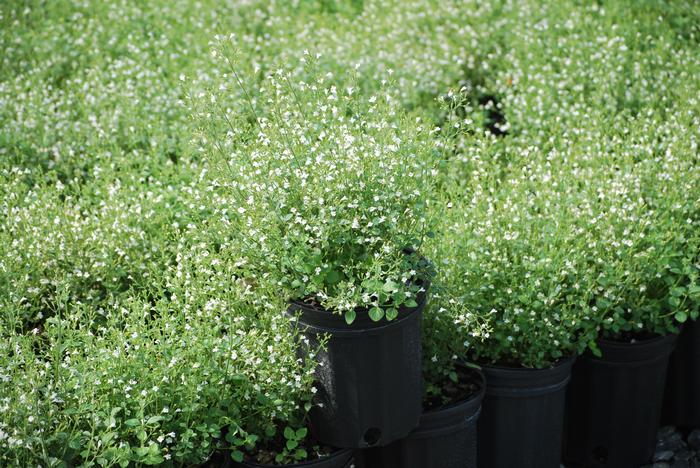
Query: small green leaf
x=289, y=433
x=154, y=419
x=154, y=460
x=376, y=314
x=154, y=457
x=678, y=292
x=237, y=456
x=292, y=444
x=411, y=303
x=350, y=316
x=681, y=316
x=301, y=433
x=107, y=437
x=333, y=277
x=391, y=313
x=300, y=454
x=141, y=451
x=132, y=422
x=389, y=286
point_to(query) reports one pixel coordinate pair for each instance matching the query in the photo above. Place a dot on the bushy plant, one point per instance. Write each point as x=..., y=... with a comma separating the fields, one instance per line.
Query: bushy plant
x=596, y=169
x=325, y=189
x=609, y=108
x=647, y=269
x=171, y=381
x=568, y=204
x=514, y=257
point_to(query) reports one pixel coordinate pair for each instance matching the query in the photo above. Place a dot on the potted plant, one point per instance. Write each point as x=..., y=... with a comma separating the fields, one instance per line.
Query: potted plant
x=327, y=192
x=161, y=379
x=453, y=390
x=512, y=256
x=681, y=405
x=643, y=289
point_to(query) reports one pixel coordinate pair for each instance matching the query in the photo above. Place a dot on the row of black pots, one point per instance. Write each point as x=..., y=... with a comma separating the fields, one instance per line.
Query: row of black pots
x=519, y=423
x=369, y=380
x=607, y=417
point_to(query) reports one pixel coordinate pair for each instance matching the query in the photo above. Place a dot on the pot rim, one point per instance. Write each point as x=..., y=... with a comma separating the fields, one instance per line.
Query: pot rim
x=651, y=349
x=525, y=382
x=453, y=416
x=322, y=320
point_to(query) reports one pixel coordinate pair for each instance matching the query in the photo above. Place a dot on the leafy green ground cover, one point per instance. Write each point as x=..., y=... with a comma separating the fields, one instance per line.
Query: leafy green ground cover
x=171, y=173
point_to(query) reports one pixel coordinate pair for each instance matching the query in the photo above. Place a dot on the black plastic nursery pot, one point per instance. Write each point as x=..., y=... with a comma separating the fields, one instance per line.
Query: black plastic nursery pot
x=614, y=403
x=368, y=377
x=339, y=459
x=444, y=438
x=682, y=396
x=522, y=416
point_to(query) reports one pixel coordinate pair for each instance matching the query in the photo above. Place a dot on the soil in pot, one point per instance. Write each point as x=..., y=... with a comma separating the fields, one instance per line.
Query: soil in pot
x=368, y=377
x=445, y=436
x=682, y=395
x=522, y=417
x=338, y=459
x=614, y=403
x=320, y=456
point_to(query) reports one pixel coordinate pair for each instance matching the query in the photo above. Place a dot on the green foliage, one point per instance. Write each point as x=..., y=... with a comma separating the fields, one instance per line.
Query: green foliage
x=325, y=190
x=156, y=382
x=578, y=217
x=159, y=204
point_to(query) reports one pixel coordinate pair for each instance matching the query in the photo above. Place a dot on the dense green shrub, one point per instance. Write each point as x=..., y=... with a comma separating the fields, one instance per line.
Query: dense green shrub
x=167, y=381
x=325, y=190
x=562, y=186
x=577, y=217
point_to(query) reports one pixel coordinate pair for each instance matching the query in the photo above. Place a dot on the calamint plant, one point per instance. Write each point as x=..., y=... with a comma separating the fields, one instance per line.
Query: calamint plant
x=167, y=382
x=325, y=189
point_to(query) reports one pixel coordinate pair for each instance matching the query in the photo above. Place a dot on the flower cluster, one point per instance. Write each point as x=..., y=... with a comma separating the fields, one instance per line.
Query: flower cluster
x=200, y=368
x=325, y=190
x=571, y=203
